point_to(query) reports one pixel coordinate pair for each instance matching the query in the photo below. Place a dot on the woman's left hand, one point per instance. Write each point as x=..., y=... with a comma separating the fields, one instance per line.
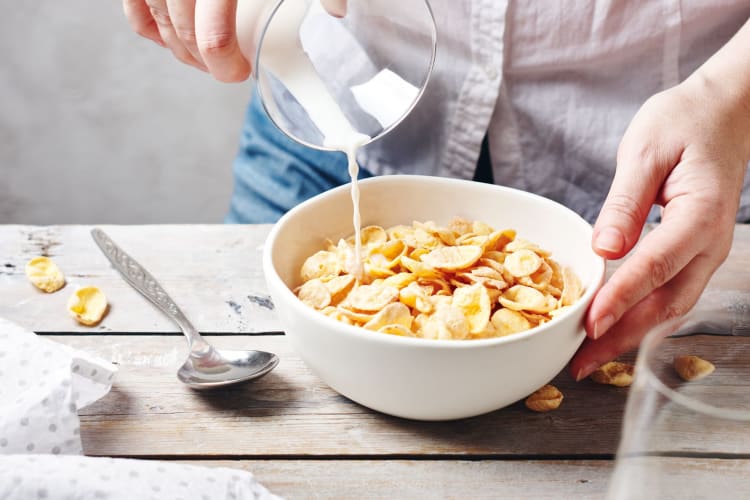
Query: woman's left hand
x=687, y=150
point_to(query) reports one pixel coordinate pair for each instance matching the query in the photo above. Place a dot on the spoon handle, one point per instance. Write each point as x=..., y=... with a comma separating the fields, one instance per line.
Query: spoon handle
x=140, y=279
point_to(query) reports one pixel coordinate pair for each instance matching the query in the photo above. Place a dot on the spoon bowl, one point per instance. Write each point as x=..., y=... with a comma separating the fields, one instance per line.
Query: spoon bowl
x=222, y=367
x=206, y=367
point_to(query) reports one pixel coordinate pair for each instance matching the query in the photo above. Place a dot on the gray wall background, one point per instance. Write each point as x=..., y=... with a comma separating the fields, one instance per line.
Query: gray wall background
x=98, y=125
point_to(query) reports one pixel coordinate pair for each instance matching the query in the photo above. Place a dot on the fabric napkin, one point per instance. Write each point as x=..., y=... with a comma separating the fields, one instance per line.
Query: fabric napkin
x=43, y=384
x=53, y=477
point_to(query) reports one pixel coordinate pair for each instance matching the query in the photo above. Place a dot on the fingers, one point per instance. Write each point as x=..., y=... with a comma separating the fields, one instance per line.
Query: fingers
x=643, y=164
x=638, y=179
x=335, y=7
x=162, y=17
x=140, y=20
x=201, y=33
x=216, y=39
x=182, y=14
x=672, y=300
x=659, y=257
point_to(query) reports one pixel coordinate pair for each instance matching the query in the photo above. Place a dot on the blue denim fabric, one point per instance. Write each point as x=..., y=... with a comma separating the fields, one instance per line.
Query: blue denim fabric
x=273, y=173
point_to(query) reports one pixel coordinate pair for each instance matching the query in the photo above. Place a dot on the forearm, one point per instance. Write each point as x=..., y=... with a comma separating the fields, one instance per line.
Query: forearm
x=726, y=76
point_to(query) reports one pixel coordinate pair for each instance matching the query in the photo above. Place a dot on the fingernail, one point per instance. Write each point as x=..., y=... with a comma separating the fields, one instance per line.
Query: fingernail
x=586, y=371
x=603, y=325
x=610, y=239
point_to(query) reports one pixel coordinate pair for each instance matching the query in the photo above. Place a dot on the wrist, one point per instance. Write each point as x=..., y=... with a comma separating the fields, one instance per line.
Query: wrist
x=724, y=101
x=722, y=86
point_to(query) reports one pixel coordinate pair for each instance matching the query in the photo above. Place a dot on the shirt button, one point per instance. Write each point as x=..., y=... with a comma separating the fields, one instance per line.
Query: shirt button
x=490, y=71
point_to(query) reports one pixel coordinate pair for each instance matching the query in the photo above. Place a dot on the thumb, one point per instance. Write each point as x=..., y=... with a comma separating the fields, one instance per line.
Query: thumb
x=641, y=171
x=335, y=7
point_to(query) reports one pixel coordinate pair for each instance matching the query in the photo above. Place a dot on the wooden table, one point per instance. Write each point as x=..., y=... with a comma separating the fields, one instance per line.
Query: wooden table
x=295, y=434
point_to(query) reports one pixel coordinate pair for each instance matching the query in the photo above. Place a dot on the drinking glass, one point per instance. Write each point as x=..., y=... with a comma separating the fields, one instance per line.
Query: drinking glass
x=690, y=439
x=317, y=73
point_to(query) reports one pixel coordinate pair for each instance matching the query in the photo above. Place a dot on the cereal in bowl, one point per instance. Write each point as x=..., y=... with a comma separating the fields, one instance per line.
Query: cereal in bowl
x=463, y=281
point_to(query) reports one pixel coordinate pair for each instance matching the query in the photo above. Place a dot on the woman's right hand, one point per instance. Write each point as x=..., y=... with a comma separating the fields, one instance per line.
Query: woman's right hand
x=201, y=33
x=216, y=36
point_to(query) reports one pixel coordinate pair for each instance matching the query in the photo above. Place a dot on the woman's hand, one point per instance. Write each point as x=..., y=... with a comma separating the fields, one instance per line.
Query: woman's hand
x=687, y=150
x=200, y=33
x=216, y=36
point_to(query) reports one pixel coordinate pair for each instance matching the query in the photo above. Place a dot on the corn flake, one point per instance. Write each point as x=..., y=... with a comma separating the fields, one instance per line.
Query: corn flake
x=463, y=281
x=522, y=262
x=453, y=258
x=322, y=263
x=400, y=280
x=87, y=305
x=507, y=321
x=474, y=302
x=399, y=330
x=339, y=286
x=373, y=297
x=315, y=294
x=572, y=288
x=394, y=313
x=44, y=274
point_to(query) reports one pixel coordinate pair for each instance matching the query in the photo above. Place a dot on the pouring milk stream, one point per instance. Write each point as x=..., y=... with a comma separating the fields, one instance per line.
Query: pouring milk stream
x=285, y=58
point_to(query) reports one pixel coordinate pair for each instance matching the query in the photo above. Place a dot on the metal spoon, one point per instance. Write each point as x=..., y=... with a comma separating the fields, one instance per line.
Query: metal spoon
x=206, y=366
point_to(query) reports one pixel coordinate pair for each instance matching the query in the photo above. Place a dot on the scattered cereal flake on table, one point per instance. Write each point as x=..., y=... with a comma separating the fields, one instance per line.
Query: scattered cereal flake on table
x=44, y=274
x=88, y=305
x=546, y=399
x=614, y=373
x=691, y=368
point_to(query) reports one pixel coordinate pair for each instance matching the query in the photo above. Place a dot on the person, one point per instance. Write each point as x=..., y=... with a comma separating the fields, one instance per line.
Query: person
x=610, y=108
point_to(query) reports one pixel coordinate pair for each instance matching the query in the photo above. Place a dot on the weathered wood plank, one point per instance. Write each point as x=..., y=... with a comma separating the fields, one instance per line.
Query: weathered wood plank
x=291, y=412
x=459, y=479
x=447, y=479
x=213, y=272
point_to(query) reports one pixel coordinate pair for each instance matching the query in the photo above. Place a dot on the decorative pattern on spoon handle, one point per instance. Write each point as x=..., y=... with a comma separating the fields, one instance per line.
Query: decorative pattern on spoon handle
x=135, y=274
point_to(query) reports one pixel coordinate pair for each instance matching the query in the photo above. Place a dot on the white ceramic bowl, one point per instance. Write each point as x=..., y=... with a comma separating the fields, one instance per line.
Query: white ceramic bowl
x=419, y=378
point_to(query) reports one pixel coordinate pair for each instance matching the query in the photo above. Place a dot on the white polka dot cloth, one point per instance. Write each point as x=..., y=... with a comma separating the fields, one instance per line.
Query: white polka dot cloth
x=52, y=477
x=42, y=386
